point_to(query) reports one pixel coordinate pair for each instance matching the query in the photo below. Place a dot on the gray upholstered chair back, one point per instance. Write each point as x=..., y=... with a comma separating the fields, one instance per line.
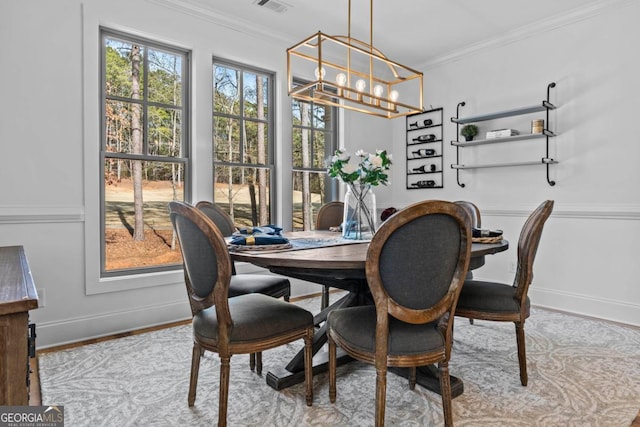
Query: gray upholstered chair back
x=418, y=260
x=473, y=211
x=329, y=215
x=207, y=266
x=219, y=217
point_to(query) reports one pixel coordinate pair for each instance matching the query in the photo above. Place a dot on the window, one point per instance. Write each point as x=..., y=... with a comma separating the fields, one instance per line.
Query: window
x=144, y=152
x=314, y=141
x=243, y=140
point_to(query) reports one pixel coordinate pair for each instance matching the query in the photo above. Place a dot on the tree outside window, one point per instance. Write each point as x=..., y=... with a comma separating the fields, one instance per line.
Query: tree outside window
x=143, y=150
x=243, y=142
x=314, y=141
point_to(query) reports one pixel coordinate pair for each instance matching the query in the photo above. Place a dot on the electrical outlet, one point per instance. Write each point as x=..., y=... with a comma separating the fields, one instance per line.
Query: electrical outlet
x=40, y=297
x=512, y=267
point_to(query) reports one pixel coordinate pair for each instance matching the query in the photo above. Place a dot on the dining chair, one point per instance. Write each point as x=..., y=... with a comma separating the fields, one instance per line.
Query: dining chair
x=473, y=211
x=476, y=222
x=415, y=266
x=329, y=215
x=249, y=323
x=486, y=300
x=272, y=285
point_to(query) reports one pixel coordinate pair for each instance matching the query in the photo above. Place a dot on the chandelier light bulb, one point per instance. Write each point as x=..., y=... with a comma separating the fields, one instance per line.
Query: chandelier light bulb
x=377, y=90
x=319, y=73
x=341, y=79
x=360, y=85
x=394, y=95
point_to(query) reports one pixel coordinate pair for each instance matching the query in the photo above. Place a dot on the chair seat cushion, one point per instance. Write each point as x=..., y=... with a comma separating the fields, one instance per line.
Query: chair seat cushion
x=242, y=284
x=489, y=296
x=255, y=317
x=357, y=325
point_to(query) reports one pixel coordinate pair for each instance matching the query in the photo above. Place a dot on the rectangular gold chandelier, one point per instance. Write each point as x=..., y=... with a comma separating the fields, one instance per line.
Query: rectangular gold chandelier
x=345, y=72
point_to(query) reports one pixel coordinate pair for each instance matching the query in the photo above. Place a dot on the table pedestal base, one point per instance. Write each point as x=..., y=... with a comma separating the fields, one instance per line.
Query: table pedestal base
x=428, y=377
x=281, y=378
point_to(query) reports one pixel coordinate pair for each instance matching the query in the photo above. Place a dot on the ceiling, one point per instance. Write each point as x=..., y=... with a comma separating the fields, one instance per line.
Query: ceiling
x=412, y=32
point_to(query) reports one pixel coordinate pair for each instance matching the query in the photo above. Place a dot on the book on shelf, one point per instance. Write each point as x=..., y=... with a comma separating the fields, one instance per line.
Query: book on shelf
x=501, y=133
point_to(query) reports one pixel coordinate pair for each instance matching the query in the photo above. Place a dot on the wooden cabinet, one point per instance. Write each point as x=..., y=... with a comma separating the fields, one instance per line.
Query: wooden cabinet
x=424, y=149
x=544, y=134
x=18, y=295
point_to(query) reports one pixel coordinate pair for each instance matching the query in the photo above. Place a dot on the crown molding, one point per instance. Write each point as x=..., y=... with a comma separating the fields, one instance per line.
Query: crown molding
x=234, y=23
x=588, y=11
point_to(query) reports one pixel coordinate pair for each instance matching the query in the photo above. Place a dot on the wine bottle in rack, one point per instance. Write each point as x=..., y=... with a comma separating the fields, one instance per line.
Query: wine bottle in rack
x=425, y=138
x=424, y=152
x=425, y=168
x=424, y=184
x=421, y=123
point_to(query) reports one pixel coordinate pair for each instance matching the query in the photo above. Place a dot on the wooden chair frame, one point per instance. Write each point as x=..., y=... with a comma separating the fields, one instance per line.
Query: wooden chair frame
x=527, y=248
x=443, y=311
x=220, y=299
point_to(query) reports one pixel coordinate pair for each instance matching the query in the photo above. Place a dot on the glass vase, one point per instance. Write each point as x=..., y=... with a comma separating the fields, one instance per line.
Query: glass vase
x=359, y=220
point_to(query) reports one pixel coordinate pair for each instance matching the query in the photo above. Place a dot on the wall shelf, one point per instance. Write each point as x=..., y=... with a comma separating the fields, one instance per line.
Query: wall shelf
x=523, y=137
x=544, y=106
x=544, y=161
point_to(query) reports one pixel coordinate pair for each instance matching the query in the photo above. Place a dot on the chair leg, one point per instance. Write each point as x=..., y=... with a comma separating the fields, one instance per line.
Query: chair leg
x=308, y=366
x=195, y=368
x=445, y=391
x=252, y=361
x=412, y=378
x=332, y=369
x=224, y=390
x=381, y=395
x=259, y=363
x=324, y=303
x=522, y=352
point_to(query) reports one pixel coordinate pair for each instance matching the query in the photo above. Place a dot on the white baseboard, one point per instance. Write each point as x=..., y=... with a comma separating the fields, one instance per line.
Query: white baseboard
x=72, y=330
x=584, y=305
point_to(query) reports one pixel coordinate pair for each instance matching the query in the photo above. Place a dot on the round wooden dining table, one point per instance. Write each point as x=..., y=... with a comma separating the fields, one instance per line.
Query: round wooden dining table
x=322, y=257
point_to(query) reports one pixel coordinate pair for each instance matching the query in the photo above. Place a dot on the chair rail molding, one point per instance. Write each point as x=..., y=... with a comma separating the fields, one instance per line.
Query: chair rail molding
x=40, y=214
x=571, y=211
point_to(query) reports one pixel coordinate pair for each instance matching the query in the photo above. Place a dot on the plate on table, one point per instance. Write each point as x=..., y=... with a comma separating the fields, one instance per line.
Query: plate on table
x=240, y=248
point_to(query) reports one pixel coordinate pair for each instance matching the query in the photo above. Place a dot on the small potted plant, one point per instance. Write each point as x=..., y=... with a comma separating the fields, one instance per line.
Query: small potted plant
x=469, y=131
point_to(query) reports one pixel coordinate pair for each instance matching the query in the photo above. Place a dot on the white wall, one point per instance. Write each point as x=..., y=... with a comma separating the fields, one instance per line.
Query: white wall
x=587, y=257
x=48, y=136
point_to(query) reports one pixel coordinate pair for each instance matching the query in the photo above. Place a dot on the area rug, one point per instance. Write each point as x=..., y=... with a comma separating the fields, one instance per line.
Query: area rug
x=582, y=372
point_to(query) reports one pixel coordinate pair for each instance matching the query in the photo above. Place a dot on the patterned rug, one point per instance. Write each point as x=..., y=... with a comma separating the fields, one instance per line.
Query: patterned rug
x=582, y=372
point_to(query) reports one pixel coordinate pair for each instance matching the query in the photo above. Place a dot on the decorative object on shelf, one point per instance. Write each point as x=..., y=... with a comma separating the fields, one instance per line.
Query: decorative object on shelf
x=501, y=133
x=537, y=126
x=421, y=145
x=545, y=106
x=358, y=76
x=360, y=217
x=469, y=131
